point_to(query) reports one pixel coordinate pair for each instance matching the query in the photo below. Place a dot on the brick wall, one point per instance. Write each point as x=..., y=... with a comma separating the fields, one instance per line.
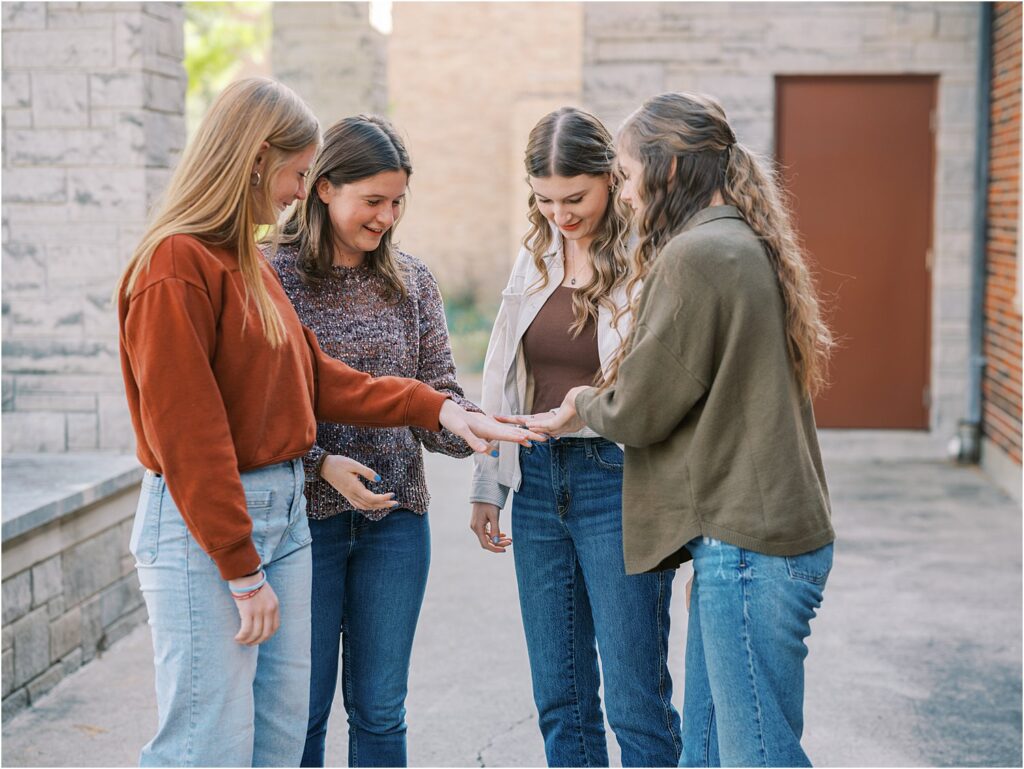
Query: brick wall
x=93, y=119
x=1002, y=382
x=735, y=51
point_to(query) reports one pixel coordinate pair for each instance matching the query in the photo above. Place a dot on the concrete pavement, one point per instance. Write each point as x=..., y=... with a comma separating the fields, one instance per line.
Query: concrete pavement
x=915, y=657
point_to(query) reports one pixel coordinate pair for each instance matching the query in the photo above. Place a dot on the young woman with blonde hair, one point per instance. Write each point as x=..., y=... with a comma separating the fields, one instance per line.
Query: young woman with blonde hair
x=224, y=387
x=378, y=309
x=563, y=316
x=712, y=398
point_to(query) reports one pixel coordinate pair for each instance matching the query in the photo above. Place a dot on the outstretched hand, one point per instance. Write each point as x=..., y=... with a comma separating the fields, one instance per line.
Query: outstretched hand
x=480, y=430
x=560, y=421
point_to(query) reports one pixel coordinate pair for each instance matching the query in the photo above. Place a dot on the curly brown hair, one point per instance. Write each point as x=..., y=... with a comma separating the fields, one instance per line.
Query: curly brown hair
x=688, y=152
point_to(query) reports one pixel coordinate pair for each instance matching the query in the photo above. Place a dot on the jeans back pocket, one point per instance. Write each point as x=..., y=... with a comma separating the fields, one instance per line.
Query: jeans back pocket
x=813, y=566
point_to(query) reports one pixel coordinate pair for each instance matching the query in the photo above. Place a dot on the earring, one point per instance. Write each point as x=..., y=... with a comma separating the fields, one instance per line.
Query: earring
x=255, y=179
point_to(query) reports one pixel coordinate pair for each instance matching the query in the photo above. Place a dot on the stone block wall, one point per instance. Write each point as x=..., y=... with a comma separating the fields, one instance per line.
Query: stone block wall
x=735, y=51
x=93, y=121
x=330, y=55
x=467, y=82
x=69, y=591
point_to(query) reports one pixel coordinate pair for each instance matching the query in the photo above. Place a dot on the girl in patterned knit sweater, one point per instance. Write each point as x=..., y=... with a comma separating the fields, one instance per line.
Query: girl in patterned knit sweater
x=378, y=310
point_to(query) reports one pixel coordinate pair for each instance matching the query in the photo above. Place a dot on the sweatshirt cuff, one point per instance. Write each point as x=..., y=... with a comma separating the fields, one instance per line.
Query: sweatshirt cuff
x=237, y=560
x=582, y=401
x=424, y=407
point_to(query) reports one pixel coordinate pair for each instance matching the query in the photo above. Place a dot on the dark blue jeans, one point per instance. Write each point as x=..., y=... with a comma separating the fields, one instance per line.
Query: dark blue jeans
x=576, y=599
x=368, y=584
x=750, y=614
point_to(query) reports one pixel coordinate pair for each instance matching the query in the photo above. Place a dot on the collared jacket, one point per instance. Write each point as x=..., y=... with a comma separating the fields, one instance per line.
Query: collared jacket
x=507, y=383
x=720, y=437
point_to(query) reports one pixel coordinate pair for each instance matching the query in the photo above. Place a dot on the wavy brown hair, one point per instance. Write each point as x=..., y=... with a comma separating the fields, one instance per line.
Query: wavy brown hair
x=692, y=131
x=570, y=142
x=354, y=148
x=213, y=194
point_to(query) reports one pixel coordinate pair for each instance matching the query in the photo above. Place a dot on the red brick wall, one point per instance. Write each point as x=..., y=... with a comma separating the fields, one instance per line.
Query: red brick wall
x=1001, y=420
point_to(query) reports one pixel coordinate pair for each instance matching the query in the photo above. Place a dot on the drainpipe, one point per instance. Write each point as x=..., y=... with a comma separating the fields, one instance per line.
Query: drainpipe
x=966, y=446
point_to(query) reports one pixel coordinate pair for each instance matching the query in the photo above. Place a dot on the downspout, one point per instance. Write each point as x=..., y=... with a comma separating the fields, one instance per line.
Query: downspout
x=968, y=440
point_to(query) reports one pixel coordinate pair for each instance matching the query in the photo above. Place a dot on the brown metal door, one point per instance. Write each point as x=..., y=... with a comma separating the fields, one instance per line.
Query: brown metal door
x=857, y=156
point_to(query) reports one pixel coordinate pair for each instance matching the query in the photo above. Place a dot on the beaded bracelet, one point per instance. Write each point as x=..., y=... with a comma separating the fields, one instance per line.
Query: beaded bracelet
x=247, y=596
x=251, y=588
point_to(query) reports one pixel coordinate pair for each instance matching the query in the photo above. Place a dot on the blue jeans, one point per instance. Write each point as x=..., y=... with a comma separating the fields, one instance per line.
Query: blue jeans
x=220, y=703
x=576, y=598
x=368, y=583
x=745, y=650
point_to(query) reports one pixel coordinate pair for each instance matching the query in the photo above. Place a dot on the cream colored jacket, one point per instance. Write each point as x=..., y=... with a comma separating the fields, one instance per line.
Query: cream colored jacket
x=507, y=384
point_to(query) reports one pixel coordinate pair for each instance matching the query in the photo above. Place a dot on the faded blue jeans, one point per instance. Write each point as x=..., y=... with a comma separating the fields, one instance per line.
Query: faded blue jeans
x=220, y=703
x=750, y=614
x=576, y=599
x=368, y=583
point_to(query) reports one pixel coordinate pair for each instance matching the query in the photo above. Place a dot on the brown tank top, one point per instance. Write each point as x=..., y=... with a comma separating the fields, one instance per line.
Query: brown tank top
x=557, y=361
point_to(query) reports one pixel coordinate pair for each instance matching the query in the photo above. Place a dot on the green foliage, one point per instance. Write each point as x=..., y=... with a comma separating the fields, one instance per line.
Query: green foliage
x=223, y=41
x=469, y=327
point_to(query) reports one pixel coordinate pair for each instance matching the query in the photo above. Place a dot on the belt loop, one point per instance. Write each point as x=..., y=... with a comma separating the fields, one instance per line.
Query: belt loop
x=589, y=445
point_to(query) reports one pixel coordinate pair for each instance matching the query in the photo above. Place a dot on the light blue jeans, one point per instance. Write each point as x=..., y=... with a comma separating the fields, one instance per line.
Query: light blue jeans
x=221, y=703
x=576, y=598
x=750, y=614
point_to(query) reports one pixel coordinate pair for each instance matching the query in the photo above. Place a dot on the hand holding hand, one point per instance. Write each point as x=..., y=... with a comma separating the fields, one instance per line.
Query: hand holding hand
x=477, y=429
x=343, y=474
x=484, y=523
x=260, y=615
x=560, y=421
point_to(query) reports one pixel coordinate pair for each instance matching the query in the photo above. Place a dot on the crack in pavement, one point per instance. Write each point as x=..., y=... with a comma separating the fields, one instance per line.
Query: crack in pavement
x=490, y=742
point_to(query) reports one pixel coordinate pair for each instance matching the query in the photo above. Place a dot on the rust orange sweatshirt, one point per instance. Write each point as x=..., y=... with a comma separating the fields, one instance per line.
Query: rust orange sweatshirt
x=210, y=398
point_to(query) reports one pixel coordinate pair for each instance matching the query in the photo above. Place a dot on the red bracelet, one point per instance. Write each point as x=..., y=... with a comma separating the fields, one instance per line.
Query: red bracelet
x=247, y=596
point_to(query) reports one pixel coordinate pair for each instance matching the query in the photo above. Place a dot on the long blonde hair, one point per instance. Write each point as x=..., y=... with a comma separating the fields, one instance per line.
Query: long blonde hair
x=213, y=193
x=570, y=142
x=692, y=131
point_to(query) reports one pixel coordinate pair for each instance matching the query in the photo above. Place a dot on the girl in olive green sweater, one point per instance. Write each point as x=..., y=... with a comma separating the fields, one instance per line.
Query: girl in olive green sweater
x=712, y=398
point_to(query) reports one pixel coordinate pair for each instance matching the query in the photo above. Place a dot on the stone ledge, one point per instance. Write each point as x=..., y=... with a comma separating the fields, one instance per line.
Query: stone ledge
x=41, y=488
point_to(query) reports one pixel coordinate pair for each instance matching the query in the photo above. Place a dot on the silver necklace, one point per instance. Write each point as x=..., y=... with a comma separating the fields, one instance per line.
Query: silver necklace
x=572, y=281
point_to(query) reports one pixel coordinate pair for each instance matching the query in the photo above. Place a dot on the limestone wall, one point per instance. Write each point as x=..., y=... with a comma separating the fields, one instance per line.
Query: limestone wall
x=93, y=121
x=330, y=55
x=69, y=584
x=467, y=82
x=735, y=50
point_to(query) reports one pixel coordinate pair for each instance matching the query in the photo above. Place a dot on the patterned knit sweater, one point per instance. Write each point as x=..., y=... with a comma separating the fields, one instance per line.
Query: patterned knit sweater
x=355, y=324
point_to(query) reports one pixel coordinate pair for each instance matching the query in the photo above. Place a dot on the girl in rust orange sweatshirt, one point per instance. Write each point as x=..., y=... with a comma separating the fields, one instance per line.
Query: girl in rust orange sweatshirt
x=225, y=387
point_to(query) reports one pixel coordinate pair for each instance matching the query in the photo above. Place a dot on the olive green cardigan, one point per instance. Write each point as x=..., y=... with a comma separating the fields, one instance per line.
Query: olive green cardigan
x=720, y=440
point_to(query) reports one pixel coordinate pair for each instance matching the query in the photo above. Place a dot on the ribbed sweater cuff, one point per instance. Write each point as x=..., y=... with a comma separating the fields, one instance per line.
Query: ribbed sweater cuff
x=236, y=560
x=424, y=409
